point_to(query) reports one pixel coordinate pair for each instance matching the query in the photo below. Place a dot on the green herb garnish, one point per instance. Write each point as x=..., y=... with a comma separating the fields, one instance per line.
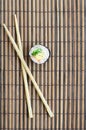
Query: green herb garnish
x=37, y=51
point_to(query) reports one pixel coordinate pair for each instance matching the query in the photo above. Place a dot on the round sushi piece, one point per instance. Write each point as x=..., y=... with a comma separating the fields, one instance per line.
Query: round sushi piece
x=39, y=54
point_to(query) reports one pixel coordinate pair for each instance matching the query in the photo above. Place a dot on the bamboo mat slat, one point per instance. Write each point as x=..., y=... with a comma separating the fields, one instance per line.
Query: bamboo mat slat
x=70, y=67
x=6, y=79
x=13, y=68
x=61, y=64
x=58, y=66
x=41, y=67
x=10, y=91
x=2, y=102
x=66, y=62
x=49, y=63
x=21, y=109
x=74, y=65
x=58, y=25
x=83, y=68
x=78, y=105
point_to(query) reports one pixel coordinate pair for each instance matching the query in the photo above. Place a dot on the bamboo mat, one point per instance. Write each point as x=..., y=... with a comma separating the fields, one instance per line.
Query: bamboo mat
x=58, y=25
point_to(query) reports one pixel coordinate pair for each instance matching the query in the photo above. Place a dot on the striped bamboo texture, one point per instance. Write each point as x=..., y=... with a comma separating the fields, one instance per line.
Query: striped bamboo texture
x=58, y=25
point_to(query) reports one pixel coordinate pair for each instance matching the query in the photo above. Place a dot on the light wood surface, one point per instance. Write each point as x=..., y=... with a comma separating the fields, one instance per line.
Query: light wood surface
x=58, y=25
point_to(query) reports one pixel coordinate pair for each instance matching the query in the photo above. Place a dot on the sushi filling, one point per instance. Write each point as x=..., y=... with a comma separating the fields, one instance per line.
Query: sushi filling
x=38, y=54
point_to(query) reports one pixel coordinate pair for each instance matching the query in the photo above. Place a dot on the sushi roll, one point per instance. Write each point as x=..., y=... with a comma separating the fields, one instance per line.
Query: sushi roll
x=39, y=54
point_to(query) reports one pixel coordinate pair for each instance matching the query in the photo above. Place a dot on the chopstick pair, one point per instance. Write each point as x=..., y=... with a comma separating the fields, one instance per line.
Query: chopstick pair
x=25, y=69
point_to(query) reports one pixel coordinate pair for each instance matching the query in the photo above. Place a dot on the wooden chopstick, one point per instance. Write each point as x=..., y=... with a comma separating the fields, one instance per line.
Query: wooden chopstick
x=28, y=72
x=23, y=70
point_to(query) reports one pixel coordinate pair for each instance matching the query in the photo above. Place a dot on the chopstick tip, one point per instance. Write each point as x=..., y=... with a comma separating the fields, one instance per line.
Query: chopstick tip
x=14, y=15
x=3, y=25
x=31, y=116
x=51, y=115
